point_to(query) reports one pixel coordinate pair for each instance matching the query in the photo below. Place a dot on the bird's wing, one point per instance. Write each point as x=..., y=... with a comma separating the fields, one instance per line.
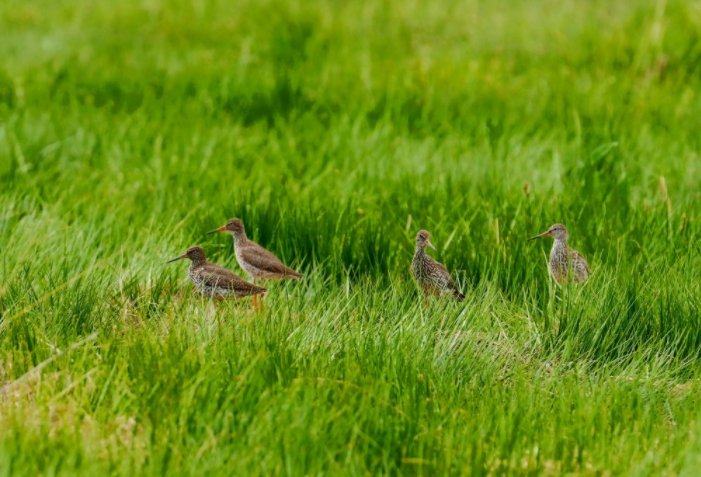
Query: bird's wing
x=579, y=258
x=446, y=275
x=266, y=260
x=216, y=276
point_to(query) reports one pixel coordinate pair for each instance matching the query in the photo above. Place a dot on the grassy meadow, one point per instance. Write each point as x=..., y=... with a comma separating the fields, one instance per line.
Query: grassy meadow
x=336, y=130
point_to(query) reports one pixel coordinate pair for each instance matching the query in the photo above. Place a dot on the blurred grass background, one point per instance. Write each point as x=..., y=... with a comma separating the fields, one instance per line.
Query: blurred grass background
x=336, y=130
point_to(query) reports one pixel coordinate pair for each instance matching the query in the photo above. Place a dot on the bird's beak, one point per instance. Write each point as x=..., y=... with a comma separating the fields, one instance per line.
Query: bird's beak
x=220, y=229
x=428, y=242
x=177, y=258
x=544, y=234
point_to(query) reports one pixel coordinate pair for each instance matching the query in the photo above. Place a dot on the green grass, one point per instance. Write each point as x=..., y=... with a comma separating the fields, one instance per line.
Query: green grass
x=336, y=130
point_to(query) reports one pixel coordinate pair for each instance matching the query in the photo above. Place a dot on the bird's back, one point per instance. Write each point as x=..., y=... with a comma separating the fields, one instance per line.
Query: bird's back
x=432, y=276
x=262, y=263
x=213, y=279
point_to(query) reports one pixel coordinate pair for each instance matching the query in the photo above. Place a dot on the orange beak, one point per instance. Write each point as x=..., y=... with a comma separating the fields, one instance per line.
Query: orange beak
x=220, y=229
x=544, y=234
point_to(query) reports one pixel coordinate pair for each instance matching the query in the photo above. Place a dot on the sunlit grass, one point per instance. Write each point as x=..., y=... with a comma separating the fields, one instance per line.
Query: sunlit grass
x=336, y=131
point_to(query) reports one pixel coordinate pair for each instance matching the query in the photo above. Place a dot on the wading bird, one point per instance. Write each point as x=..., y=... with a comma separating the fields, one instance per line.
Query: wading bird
x=258, y=262
x=431, y=277
x=565, y=263
x=214, y=281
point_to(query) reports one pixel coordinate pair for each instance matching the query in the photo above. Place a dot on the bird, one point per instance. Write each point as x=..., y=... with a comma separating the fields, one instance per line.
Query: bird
x=255, y=260
x=258, y=262
x=431, y=277
x=565, y=263
x=214, y=281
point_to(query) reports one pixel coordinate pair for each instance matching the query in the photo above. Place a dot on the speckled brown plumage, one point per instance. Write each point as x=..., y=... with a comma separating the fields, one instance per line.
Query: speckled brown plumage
x=431, y=277
x=565, y=263
x=214, y=281
x=258, y=262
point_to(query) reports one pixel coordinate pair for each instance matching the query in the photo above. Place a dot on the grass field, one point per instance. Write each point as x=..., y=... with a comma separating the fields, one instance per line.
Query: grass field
x=336, y=130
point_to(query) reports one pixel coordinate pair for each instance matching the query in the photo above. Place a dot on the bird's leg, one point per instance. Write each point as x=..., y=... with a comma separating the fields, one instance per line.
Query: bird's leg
x=262, y=298
x=255, y=297
x=257, y=305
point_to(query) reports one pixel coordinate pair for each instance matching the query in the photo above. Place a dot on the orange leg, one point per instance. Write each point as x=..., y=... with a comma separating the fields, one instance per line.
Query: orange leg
x=257, y=305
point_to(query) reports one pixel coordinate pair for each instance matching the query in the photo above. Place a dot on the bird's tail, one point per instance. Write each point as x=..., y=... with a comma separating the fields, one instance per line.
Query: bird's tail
x=458, y=295
x=292, y=273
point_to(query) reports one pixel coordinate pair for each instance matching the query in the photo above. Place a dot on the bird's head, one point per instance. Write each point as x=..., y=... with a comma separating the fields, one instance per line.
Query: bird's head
x=233, y=227
x=557, y=231
x=423, y=239
x=195, y=253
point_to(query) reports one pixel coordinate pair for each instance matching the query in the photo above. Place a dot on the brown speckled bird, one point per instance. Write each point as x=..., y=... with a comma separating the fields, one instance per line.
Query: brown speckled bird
x=254, y=259
x=565, y=263
x=431, y=277
x=214, y=281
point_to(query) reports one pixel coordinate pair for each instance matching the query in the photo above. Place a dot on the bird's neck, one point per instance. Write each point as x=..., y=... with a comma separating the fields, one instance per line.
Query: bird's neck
x=420, y=251
x=559, y=244
x=240, y=237
x=197, y=263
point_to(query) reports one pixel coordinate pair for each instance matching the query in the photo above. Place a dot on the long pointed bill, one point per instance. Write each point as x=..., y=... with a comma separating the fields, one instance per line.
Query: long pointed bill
x=428, y=242
x=177, y=258
x=544, y=234
x=220, y=229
